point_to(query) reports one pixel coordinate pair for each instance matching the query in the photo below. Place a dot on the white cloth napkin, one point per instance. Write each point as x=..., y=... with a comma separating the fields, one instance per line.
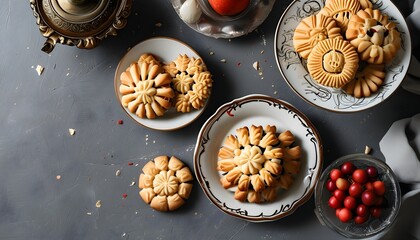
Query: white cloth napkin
x=401, y=149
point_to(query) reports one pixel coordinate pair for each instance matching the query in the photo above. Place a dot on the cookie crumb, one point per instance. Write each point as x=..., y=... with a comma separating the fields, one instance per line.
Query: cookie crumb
x=256, y=65
x=223, y=60
x=368, y=150
x=158, y=24
x=89, y=213
x=39, y=69
x=98, y=204
x=72, y=131
x=118, y=173
x=58, y=177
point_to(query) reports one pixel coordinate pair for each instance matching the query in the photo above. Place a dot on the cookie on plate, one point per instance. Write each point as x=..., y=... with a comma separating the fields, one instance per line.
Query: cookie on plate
x=258, y=162
x=367, y=81
x=312, y=30
x=341, y=11
x=333, y=62
x=146, y=89
x=191, y=81
x=376, y=37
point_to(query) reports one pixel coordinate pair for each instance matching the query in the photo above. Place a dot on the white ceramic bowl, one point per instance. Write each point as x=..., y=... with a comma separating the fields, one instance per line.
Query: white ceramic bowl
x=294, y=71
x=167, y=50
x=258, y=110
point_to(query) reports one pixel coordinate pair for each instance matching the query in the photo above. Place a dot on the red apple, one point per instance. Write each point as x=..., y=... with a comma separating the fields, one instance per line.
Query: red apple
x=229, y=7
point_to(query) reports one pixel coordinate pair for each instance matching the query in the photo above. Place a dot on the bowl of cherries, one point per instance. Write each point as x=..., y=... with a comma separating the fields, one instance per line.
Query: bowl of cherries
x=358, y=196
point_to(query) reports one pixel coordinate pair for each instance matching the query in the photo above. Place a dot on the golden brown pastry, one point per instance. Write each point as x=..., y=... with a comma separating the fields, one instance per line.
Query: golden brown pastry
x=165, y=183
x=341, y=11
x=191, y=81
x=366, y=81
x=254, y=161
x=312, y=30
x=376, y=38
x=146, y=90
x=148, y=58
x=333, y=62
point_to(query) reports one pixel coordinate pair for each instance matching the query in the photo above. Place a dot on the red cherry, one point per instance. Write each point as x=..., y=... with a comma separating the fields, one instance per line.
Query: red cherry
x=361, y=219
x=369, y=198
x=334, y=203
x=355, y=190
x=362, y=210
x=348, y=168
x=376, y=212
x=372, y=171
x=331, y=186
x=345, y=215
x=335, y=174
x=350, y=202
x=340, y=194
x=360, y=176
x=379, y=188
x=342, y=184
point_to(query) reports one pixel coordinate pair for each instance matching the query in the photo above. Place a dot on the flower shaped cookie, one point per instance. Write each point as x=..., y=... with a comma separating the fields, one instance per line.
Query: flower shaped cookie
x=165, y=183
x=258, y=162
x=146, y=89
x=191, y=81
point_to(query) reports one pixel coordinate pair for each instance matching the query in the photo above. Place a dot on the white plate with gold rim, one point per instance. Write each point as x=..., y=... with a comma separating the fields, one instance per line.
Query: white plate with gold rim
x=257, y=110
x=166, y=49
x=294, y=71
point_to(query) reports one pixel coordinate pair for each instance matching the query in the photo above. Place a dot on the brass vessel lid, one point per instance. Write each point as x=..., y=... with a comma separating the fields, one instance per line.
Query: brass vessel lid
x=81, y=23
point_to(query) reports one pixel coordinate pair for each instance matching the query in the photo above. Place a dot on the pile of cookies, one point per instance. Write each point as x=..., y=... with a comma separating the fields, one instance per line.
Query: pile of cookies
x=347, y=44
x=149, y=87
x=258, y=162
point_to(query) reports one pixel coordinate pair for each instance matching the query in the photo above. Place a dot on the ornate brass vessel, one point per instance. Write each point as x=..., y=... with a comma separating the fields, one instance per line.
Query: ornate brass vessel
x=81, y=23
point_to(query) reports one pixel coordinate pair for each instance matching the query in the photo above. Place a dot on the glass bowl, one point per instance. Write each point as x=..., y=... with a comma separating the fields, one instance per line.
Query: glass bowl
x=373, y=226
x=206, y=21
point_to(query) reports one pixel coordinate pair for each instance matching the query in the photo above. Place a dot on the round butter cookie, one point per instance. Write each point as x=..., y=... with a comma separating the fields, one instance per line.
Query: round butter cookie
x=191, y=81
x=366, y=81
x=165, y=183
x=312, y=30
x=258, y=162
x=376, y=38
x=146, y=89
x=333, y=62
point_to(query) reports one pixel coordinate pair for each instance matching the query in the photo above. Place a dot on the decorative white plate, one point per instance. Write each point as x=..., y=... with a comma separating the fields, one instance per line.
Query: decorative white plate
x=296, y=75
x=167, y=50
x=258, y=110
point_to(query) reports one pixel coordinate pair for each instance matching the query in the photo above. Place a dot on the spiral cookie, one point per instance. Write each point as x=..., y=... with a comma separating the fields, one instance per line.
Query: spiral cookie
x=165, y=183
x=312, y=30
x=366, y=81
x=333, y=62
x=146, y=89
x=258, y=162
x=376, y=38
x=341, y=11
x=191, y=81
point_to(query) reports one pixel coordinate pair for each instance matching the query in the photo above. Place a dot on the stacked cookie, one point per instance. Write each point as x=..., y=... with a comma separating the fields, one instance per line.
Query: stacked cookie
x=347, y=44
x=258, y=162
x=149, y=88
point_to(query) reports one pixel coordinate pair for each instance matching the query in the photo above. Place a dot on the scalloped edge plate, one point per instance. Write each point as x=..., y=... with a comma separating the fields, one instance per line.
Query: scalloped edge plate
x=258, y=110
x=298, y=78
x=166, y=49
